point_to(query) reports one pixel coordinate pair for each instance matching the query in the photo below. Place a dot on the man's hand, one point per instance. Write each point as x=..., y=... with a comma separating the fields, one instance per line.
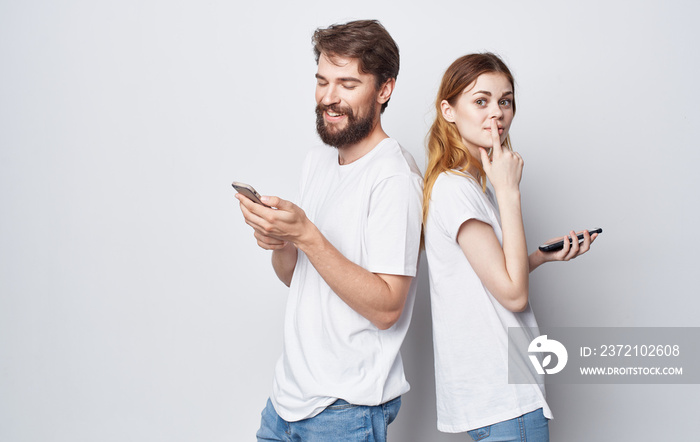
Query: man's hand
x=265, y=221
x=277, y=225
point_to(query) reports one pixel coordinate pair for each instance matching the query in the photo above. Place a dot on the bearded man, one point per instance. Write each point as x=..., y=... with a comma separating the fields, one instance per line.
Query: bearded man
x=348, y=252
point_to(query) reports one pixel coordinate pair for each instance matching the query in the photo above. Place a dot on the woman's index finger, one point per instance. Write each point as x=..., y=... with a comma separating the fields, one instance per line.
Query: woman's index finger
x=495, y=137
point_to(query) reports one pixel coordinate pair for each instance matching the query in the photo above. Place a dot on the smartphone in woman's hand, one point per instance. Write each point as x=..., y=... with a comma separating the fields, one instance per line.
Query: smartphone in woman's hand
x=558, y=245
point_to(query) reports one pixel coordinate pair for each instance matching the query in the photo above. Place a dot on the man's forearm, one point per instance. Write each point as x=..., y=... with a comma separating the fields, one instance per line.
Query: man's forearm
x=379, y=298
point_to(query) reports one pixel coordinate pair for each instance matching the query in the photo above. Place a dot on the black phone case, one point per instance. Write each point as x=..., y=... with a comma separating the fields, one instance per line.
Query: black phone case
x=560, y=244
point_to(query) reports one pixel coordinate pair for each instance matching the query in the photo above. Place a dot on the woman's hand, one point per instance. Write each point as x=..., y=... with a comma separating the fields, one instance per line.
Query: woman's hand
x=571, y=250
x=504, y=269
x=505, y=168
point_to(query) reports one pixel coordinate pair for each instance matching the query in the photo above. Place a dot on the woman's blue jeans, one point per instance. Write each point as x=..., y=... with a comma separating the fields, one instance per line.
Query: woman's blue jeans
x=530, y=427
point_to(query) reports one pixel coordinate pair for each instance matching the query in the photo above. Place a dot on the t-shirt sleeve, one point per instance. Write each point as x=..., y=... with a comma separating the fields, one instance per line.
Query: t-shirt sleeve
x=393, y=231
x=455, y=200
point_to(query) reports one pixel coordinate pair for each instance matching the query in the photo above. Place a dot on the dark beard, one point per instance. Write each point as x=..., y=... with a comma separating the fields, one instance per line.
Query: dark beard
x=356, y=130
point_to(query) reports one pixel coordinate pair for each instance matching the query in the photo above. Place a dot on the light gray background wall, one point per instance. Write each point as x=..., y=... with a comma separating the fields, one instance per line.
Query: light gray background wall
x=134, y=303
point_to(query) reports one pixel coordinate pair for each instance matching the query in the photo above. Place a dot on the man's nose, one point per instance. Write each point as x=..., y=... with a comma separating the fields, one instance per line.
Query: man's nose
x=330, y=95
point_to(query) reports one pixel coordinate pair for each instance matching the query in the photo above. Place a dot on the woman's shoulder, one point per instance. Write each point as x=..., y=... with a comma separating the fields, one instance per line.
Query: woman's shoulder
x=454, y=189
x=456, y=181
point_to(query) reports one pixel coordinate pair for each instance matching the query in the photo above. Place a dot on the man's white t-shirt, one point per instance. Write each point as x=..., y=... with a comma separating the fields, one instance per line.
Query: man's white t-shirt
x=370, y=210
x=470, y=327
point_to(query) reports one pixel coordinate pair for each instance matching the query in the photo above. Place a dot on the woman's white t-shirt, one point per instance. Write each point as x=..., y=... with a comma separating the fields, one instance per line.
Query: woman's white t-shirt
x=470, y=327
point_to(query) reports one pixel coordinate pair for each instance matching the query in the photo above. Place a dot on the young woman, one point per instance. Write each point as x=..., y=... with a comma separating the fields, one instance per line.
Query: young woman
x=477, y=256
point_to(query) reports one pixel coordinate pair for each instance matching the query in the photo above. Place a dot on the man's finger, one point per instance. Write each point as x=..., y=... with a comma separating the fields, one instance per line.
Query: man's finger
x=267, y=239
x=276, y=202
x=255, y=208
x=248, y=209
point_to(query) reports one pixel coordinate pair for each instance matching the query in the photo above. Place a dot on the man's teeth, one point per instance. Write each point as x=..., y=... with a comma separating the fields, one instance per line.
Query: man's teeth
x=333, y=114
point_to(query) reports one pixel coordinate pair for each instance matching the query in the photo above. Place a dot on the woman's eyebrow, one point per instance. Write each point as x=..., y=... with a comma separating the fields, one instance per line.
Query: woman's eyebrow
x=489, y=93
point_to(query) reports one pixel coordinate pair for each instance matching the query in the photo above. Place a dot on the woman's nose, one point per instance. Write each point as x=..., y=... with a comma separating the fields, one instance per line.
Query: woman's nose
x=496, y=111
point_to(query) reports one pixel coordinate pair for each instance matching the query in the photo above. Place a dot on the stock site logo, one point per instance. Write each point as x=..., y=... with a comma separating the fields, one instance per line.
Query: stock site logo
x=543, y=345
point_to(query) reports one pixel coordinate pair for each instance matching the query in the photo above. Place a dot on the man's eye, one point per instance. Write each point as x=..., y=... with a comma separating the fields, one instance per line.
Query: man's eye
x=349, y=86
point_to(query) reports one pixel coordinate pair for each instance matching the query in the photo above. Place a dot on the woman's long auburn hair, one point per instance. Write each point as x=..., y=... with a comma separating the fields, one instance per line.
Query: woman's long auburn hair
x=446, y=151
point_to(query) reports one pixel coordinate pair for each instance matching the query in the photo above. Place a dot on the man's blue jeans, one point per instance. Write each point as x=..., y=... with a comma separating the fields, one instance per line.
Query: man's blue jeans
x=340, y=421
x=530, y=427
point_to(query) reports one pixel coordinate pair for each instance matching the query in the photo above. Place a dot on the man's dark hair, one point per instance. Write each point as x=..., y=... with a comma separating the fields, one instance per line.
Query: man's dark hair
x=366, y=40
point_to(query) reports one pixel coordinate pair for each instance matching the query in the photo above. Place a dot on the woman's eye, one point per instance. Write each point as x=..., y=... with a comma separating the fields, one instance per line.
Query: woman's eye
x=480, y=101
x=506, y=102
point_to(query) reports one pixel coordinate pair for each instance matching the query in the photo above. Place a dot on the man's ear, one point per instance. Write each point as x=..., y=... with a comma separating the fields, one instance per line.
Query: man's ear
x=386, y=90
x=447, y=111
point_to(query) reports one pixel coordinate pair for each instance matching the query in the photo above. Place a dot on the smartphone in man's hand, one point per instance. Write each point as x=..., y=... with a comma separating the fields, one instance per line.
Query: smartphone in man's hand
x=249, y=192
